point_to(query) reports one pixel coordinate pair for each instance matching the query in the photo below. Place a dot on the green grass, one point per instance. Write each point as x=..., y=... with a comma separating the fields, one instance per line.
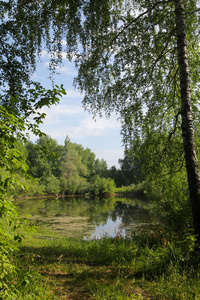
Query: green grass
x=149, y=266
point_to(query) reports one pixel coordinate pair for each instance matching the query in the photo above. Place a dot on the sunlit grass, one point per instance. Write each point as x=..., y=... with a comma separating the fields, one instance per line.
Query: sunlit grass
x=148, y=266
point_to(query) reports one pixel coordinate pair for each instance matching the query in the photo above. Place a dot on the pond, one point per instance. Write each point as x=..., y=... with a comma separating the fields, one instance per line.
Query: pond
x=87, y=218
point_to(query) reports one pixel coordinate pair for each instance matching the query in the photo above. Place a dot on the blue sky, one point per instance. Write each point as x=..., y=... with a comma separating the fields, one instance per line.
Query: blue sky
x=68, y=118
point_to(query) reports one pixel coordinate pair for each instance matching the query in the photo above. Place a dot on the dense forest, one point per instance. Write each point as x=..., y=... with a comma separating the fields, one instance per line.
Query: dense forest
x=69, y=169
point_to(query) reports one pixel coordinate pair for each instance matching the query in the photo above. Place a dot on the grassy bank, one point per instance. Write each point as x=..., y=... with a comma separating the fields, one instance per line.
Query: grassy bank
x=145, y=267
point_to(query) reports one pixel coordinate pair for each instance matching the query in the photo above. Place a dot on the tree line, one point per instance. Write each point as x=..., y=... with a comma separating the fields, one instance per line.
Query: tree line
x=54, y=169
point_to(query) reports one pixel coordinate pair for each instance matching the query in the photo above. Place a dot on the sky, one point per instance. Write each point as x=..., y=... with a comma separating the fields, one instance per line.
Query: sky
x=68, y=118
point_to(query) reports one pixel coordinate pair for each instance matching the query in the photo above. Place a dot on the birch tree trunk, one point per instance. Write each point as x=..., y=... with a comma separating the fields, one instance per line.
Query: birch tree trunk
x=187, y=118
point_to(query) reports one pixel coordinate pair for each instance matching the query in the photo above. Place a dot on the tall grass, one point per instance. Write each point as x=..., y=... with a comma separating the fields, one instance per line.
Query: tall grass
x=150, y=265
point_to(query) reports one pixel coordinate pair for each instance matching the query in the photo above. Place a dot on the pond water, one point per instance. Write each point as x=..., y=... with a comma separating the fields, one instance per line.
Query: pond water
x=87, y=218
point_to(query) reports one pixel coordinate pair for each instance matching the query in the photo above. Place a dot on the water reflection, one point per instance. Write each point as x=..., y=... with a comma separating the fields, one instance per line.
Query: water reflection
x=110, y=228
x=88, y=218
x=124, y=220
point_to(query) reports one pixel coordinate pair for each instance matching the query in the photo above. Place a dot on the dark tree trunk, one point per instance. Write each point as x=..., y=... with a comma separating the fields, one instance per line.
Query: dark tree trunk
x=187, y=118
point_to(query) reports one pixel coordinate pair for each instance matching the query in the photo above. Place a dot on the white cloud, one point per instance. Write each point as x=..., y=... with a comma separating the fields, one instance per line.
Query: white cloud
x=65, y=120
x=64, y=110
x=90, y=127
x=57, y=115
x=72, y=94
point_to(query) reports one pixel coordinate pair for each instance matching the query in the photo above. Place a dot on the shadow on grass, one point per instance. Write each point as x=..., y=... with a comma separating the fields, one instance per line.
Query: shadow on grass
x=82, y=273
x=118, y=269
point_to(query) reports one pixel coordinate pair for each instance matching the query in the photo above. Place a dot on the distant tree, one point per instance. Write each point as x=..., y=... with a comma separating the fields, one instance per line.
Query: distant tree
x=51, y=153
x=131, y=168
x=52, y=185
x=43, y=157
x=73, y=171
x=101, y=186
x=88, y=159
x=115, y=174
x=100, y=167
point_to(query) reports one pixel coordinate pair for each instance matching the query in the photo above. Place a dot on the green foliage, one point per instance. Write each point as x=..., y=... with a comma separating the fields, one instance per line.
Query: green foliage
x=24, y=284
x=171, y=202
x=162, y=165
x=68, y=169
x=102, y=186
x=52, y=185
x=11, y=161
x=130, y=171
x=132, y=190
x=100, y=168
x=13, y=168
x=44, y=157
x=131, y=66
